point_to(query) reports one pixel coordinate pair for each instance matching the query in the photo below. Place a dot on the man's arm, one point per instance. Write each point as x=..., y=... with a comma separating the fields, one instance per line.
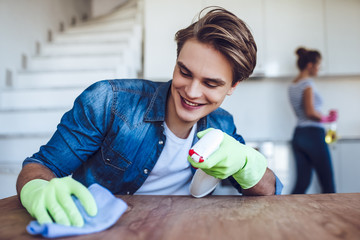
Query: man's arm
x=33, y=171
x=48, y=198
x=266, y=186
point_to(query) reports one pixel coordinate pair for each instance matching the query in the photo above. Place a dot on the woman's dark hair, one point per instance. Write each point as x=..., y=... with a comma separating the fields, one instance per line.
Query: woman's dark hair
x=226, y=33
x=306, y=56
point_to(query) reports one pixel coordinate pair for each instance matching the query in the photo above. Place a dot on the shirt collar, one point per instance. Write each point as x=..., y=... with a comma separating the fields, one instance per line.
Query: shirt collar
x=157, y=108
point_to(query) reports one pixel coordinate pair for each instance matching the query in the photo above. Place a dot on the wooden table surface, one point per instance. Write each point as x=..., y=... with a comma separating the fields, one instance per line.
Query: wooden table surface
x=318, y=216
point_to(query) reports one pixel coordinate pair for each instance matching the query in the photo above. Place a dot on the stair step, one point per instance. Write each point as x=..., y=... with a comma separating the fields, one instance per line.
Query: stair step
x=30, y=122
x=123, y=69
x=14, y=149
x=60, y=49
x=25, y=99
x=113, y=25
x=76, y=62
x=51, y=79
x=93, y=37
x=118, y=15
x=126, y=10
x=131, y=52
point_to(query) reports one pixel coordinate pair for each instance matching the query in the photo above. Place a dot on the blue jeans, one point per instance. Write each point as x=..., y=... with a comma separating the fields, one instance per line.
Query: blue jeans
x=312, y=152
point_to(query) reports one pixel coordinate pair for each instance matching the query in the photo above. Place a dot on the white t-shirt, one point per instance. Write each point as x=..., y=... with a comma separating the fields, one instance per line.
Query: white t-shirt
x=171, y=174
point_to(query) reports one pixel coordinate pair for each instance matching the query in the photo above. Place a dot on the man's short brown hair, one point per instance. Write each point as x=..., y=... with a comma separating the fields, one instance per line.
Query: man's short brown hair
x=226, y=33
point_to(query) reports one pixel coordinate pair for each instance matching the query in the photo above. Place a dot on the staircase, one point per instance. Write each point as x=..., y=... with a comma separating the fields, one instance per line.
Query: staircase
x=38, y=95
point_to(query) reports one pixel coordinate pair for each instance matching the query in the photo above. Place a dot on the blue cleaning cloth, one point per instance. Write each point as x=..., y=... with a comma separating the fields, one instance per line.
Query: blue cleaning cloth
x=110, y=210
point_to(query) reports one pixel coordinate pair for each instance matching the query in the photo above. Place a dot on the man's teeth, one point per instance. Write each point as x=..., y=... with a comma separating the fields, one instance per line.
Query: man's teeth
x=190, y=103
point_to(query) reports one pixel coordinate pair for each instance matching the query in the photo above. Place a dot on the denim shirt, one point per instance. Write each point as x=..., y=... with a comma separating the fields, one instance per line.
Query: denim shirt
x=114, y=135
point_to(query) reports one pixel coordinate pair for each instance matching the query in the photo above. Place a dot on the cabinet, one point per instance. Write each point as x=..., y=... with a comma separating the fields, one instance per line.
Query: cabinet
x=346, y=164
x=346, y=160
x=288, y=25
x=162, y=19
x=252, y=13
x=329, y=26
x=342, y=19
x=345, y=155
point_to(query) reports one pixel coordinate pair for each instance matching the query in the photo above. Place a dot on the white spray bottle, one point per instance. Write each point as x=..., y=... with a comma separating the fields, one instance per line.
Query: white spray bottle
x=203, y=184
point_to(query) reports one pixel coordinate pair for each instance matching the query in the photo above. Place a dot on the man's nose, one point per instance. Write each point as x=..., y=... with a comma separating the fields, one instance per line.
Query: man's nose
x=193, y=90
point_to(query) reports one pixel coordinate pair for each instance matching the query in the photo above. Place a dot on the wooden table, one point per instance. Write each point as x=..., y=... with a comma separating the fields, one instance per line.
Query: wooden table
x=319, y=216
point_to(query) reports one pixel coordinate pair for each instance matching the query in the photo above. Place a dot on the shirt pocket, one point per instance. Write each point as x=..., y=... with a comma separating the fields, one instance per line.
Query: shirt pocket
x=114, y=159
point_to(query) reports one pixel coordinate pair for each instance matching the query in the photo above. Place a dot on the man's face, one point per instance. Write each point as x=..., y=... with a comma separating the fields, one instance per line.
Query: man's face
x=202, y=78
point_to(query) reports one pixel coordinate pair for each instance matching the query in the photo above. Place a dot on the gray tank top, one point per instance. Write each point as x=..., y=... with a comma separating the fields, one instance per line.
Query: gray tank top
x=296, y=93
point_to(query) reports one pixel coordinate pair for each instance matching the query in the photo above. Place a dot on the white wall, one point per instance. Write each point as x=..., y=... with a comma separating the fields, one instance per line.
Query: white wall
x=23, y=23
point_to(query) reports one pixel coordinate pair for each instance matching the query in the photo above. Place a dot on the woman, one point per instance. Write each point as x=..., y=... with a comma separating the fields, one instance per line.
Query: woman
x=308, y=143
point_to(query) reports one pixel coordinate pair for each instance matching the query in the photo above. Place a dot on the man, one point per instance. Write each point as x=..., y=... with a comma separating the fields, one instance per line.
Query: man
x=133, y=136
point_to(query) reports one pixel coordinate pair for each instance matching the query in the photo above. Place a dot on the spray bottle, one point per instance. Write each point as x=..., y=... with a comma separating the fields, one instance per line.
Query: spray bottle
x=331, y=135
x=203, y=184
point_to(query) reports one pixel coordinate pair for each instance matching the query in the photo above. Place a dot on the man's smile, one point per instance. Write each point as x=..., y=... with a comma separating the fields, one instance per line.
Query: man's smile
x=192, y=104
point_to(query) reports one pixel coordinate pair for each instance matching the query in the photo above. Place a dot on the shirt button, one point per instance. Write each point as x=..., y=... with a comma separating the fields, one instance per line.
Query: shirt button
x=108, y=159
x=128, y=193
x=146, y=171
x=161, y=142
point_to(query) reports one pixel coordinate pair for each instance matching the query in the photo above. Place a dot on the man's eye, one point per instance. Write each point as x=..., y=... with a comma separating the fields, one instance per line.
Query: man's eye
x=210, y=84
x=185, y=74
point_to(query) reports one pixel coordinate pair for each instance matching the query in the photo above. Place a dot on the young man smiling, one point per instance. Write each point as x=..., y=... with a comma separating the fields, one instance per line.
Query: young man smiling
x=133, y=136
x=201, y=80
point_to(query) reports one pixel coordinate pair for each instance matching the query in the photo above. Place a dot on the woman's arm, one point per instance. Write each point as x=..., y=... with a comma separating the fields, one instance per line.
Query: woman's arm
x=309, y=105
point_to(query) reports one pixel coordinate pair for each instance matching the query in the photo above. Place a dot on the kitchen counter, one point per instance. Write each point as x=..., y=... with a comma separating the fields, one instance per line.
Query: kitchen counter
x=317, y=216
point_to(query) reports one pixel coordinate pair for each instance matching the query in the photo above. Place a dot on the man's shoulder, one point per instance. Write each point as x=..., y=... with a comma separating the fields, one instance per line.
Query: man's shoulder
x=220, y=112
x=221, y=118
x=135, y=86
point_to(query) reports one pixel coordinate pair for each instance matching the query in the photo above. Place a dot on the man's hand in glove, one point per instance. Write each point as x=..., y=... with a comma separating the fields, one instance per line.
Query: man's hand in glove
x=49, y=201
x=244, y=163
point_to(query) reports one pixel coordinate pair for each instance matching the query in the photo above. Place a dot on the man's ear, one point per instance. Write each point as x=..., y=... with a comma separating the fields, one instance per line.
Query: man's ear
x=231, y=90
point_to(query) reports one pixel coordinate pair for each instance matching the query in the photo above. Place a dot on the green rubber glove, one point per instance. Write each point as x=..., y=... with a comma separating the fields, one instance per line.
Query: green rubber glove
x=232, y=158
x=51, y=200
